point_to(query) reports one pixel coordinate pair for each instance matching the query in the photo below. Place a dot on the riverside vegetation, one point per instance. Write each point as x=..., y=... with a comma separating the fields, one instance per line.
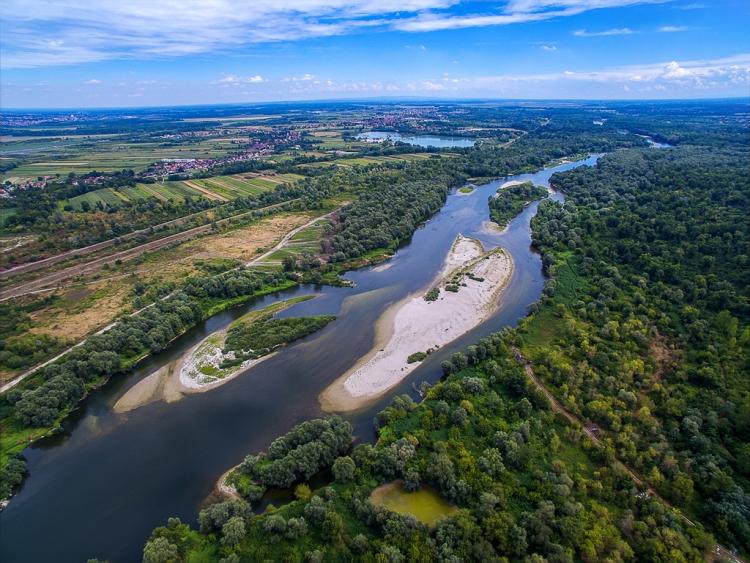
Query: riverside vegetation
x=510, y=201
x=642, y=329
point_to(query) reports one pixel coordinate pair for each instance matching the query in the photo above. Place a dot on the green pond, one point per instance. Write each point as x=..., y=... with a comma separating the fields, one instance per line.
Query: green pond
x=426, y=505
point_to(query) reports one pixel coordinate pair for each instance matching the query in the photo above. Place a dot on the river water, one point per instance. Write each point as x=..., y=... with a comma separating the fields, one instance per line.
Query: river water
x=425, y=141
x=99, y=488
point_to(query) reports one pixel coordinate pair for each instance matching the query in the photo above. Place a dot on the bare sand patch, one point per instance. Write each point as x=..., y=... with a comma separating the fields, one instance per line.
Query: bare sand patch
x=417, y=325
x=187, y=374
x=162, y=385
x=512, y=183
x=493, y=228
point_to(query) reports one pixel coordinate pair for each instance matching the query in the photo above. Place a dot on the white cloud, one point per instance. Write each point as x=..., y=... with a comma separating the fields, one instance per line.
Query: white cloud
x=540, y=5
x=77, y=31
x=93, y=81
x=44, y=33
x=431, y=86
x=674, y=70
x=672, y=28
x=665, y=79
x=605, y=33
x=307, y=77
x=234, y=80
x=549, y=48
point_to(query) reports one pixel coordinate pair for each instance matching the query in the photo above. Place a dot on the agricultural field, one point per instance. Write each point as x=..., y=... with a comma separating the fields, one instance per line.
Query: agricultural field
x=50, y=157
x=219, y=188
x=177, y=191
x=232, y=187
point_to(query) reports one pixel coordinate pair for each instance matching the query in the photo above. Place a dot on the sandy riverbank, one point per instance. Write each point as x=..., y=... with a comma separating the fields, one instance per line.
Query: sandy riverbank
x=512, y=183
x=168, y=384
x=417, y=325
x=186, y=374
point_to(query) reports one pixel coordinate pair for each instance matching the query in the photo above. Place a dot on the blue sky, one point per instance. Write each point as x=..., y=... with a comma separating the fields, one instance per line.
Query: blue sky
x=85, y=53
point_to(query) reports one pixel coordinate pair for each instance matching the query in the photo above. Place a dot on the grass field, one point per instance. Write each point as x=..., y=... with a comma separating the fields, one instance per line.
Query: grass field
x=5, y=213
x=370, y=160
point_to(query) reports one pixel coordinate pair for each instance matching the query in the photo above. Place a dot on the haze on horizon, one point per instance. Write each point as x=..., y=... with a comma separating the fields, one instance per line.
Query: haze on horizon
x=70, y=53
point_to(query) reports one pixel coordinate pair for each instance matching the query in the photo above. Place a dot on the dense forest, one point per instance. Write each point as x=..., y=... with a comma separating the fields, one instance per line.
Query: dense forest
x=643, y=332
x=650, y=337
x=509, y=202
x=529, y=487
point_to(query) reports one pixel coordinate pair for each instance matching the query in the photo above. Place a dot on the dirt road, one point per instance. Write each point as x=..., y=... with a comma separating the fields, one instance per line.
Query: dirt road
x=53, y=279
x=287, y=237
x=284, y=240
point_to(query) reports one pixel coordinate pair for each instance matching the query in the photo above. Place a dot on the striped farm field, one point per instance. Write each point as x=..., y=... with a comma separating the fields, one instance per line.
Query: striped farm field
x=232, y=187
x=218, y=188
x=177, y=191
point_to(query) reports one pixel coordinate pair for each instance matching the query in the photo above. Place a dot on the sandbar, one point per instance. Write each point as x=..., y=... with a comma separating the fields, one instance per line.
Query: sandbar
x=417, y=325
x=186, y=374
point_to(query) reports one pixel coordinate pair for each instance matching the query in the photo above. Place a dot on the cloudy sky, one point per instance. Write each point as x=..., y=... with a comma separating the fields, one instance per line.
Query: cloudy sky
x=87, y=53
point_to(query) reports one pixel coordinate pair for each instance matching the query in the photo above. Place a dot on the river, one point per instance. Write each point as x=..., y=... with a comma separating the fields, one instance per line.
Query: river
x=99, y=488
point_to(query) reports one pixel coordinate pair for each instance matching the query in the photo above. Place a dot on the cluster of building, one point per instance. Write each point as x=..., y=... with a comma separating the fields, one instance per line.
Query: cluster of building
x=25, y=120
x=251, y=151
x=11, y=186
x=417, y=118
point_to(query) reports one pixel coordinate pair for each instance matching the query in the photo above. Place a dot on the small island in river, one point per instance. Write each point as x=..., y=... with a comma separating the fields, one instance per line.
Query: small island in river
x=464, y=294
x=224, y=354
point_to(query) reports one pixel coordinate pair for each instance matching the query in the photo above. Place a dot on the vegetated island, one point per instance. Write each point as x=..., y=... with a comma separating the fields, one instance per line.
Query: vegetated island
x=463, y=295
x=224, y=354
x=292, y=458
x=510, y=200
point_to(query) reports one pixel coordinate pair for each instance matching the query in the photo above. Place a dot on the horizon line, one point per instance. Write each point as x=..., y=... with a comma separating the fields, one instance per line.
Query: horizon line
x=383, y=99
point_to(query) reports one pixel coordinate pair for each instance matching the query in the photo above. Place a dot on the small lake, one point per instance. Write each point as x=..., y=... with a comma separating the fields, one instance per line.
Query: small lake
x=98, y=488
x=425, y=504
x=424, y=141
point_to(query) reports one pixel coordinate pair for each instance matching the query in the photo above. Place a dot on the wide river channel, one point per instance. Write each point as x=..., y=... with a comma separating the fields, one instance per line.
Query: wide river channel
x=99, y=488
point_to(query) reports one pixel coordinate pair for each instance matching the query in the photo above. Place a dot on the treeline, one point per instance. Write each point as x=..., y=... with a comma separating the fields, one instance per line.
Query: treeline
x=509, y=202
x=18, y=348
x=543, y=144
x=299, y=454
x=50, y=393
x=259, y=337
x=650, y=335
x=384, y=218
x=529, y=487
